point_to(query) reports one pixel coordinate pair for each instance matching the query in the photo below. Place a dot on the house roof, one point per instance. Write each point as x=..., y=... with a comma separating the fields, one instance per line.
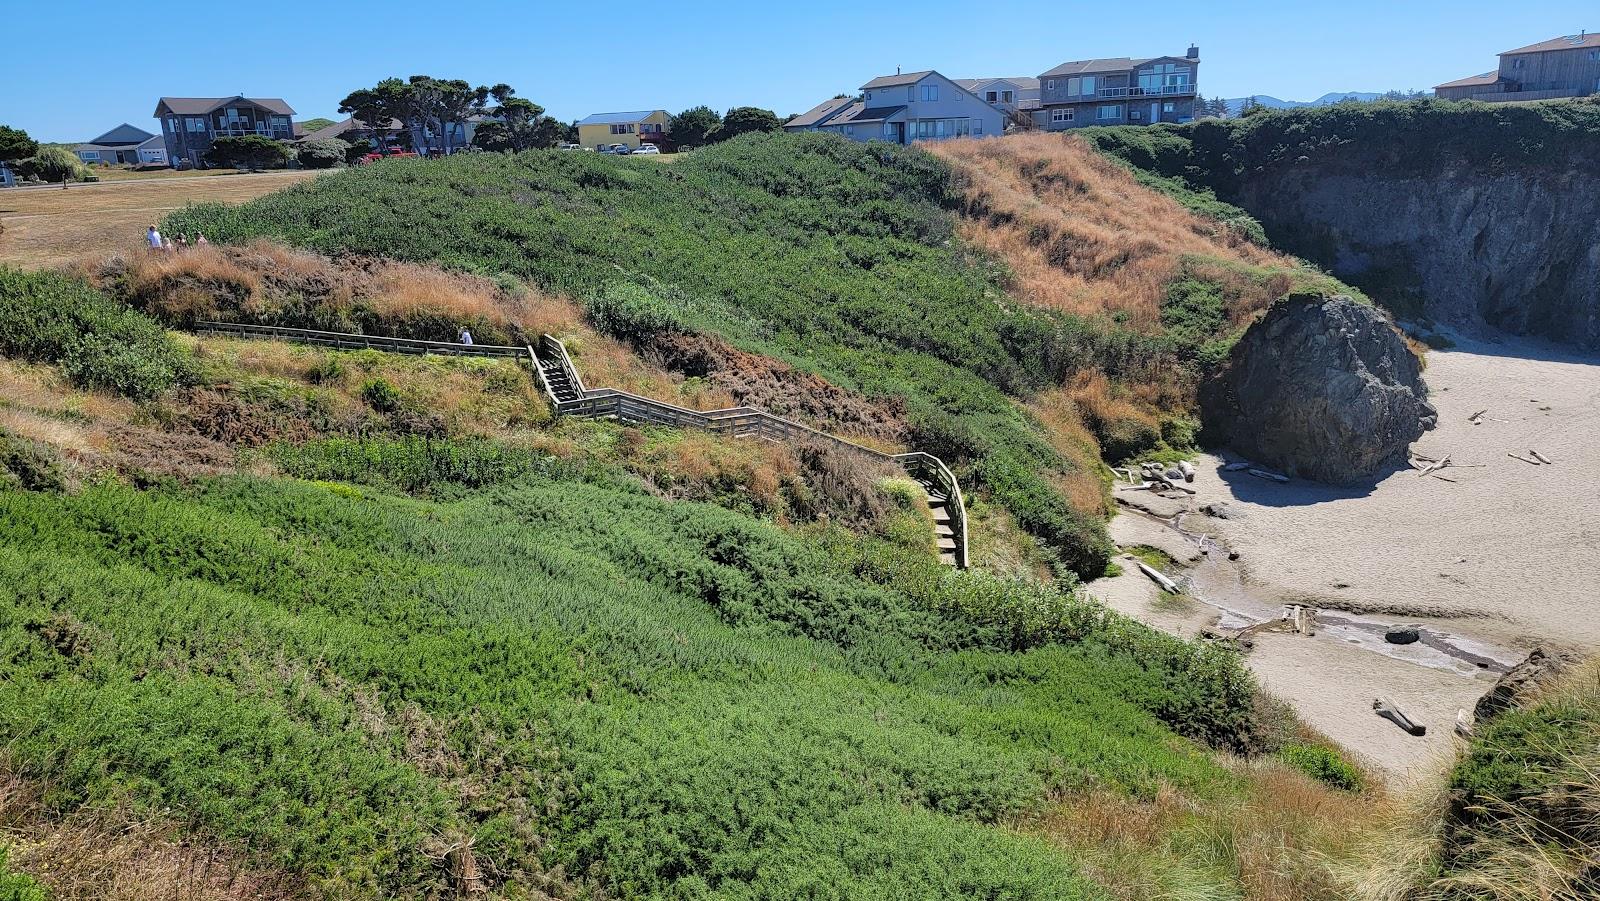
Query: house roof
x=889, y=81
x=820, y=113
x=973, y=84
x=1473, y=81
x=1109, y=64
x=152, y=143
x=858, y=113
x=619, y=118
x=1569, y=42
x=123, y=134
x=199, y=106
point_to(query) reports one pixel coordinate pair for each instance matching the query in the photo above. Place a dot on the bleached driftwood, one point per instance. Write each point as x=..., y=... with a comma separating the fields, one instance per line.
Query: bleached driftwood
x=1269, y=475
x=1187, y=468
x=1436, y=465
x=1463, y=723
x=1167, y=585
x=1541, y=458
x=1391, y=711
x=1234, y=467
x=1522, y=458
x=1477, y=416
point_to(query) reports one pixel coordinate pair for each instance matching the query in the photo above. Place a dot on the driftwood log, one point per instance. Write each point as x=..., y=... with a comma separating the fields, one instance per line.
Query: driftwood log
x=1167, y=585
x=1391, y=711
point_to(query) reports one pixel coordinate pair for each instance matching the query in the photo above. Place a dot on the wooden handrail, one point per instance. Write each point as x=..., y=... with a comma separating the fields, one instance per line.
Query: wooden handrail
x=351, y=340
x=627, y=407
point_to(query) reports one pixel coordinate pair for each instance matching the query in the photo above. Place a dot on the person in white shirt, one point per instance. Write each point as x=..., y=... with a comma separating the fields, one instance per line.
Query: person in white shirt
x=154, y=237
x=466, y=337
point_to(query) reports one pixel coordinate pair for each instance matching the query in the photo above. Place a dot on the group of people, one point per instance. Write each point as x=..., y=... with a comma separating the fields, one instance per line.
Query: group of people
x=160, y=242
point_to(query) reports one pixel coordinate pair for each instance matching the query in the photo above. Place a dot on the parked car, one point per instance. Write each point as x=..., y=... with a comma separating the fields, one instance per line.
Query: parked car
x=566, y=146
x=648, y=149
x=618, y=149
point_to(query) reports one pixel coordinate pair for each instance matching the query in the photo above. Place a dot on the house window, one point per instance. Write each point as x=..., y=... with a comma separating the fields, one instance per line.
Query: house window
x=1061, y=115
x=889, y=130
x=1079, y=86
x=1005, y=96
x=922, y=127
x=1049, y=84
x=1164, y=78
x=930, y=92
x=977, y=126
x=1110, y=111
x=1169, y=107
x=850, y=130
x=1517, y=62
x=867, y=95
x=197, y=123
x=911, y=94
x=1594, y=54
x=989, y=96
x=963, y=127
x=89, y=156
x=1136, y=115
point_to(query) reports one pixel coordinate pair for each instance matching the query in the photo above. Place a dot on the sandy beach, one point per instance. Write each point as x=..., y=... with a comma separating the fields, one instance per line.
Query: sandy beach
x=1495, y=557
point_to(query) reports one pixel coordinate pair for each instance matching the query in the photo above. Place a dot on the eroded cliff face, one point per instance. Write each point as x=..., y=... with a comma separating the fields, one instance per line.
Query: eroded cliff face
x=1517, y=250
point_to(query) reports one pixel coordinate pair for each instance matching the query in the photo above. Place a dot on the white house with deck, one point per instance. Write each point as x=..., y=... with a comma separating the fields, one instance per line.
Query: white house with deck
x=903, y=108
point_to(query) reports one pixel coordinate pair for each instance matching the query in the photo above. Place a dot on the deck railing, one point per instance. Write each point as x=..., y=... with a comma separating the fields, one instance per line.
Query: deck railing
x=739, y=422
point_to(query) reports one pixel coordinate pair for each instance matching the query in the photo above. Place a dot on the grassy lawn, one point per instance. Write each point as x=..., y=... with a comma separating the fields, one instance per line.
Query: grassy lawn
x=42, y=227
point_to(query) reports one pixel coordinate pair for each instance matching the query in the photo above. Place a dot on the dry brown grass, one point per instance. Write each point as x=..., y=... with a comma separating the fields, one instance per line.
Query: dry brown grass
x=1277, y=842
x=1079, y=233
x=111, y=855
x=44, y=227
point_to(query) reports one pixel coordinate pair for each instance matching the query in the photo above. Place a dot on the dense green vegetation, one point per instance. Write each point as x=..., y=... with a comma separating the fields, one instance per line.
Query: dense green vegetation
x=99, y=343
x=1213, y=158
x=834, y=255
x=660, y=699
x=18, y=886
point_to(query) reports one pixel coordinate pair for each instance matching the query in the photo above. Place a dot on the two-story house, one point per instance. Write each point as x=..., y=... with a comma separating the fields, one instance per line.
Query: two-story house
x=1119, y=91
x=903, y=108
x=190, y=124
x=1560, y=67
x=644, y=126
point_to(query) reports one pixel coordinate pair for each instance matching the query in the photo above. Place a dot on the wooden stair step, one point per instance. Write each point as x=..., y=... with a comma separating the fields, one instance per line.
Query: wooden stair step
x=947, y=544
x=943, y=530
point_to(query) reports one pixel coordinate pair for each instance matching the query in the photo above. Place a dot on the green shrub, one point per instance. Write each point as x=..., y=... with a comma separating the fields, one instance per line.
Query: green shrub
x=413, y=465
x=16, y=886
x=99, y=344
x=670, y=699
x=324, y=154
x=631, y=312
x=28, y=465
x=381, y=395
x=53, y=164
x=1323, y=764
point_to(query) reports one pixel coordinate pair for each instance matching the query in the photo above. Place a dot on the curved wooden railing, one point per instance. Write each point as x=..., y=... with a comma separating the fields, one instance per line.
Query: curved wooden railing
x=739, y=422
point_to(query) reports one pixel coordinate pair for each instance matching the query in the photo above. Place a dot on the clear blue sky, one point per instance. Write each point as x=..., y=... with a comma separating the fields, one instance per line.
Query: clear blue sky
x=76, y=69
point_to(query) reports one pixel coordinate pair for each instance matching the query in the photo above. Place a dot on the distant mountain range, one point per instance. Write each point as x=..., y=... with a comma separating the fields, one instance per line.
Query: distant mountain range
x=1235, y=105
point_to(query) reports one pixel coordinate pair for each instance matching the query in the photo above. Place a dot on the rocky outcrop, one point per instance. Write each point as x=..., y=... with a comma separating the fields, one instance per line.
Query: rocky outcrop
x=1517, y=250
x=1519, y=685
x=1322, y=388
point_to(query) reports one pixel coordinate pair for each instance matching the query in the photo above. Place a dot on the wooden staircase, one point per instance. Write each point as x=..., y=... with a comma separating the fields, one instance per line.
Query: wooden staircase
x=568, y=396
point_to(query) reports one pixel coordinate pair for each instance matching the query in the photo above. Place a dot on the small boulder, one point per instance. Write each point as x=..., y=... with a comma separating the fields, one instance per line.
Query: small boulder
x=1402, y=634
x=1321, y=388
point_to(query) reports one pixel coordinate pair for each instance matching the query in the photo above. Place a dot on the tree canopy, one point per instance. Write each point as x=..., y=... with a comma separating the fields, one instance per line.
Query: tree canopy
x=248, y=152
x=15, y=144
x=745, y=119
x=52, y=163
x=517, y=124
x=324, y=154
x=693, y=126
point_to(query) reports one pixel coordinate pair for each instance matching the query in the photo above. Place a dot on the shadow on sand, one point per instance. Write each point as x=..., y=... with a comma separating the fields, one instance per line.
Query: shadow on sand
x=1299, y=492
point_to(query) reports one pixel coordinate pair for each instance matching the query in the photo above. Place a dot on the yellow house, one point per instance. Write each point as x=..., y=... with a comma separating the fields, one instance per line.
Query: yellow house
x=602, y=129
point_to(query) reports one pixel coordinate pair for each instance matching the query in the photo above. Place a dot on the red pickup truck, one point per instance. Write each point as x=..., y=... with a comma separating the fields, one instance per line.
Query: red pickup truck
x=374, y=156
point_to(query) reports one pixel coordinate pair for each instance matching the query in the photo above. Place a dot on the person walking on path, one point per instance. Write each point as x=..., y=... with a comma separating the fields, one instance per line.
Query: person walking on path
x=154, y=237
x=466, y=337
x=200, y=240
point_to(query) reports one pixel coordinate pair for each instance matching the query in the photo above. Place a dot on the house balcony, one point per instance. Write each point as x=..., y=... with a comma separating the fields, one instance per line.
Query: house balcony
x=1166, y=90
x=241, y=130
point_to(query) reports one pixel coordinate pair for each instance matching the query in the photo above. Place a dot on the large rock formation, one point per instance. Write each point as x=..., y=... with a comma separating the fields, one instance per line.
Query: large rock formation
x=1321, y=387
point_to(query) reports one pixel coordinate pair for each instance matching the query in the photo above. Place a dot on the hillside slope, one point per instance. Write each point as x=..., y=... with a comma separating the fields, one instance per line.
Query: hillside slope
x=830, y=255
x=1466, y=213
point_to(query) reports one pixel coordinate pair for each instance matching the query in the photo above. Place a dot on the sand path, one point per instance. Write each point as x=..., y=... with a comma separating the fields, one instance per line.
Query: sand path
x=1496, y=561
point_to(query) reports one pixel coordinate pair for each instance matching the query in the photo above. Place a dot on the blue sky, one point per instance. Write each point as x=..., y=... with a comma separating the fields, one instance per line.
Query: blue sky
x=81, y=68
